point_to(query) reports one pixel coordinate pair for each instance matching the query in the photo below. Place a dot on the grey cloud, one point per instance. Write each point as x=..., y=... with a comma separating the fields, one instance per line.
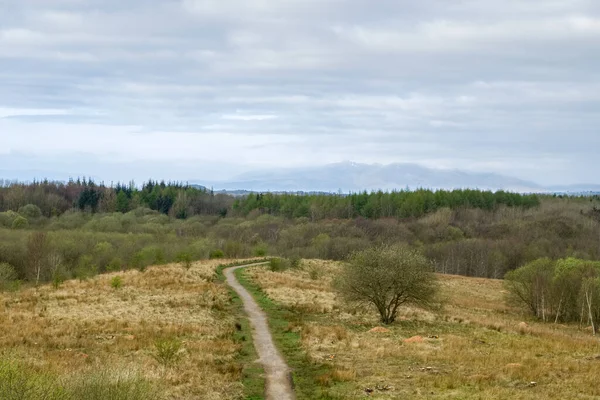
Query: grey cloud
x=476, y=84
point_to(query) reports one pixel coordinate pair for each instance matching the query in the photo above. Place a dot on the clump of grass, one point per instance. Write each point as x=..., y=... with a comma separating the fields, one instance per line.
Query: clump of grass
x=20, y=383
x=168, y=351
x=104, y=385
x=116, y=282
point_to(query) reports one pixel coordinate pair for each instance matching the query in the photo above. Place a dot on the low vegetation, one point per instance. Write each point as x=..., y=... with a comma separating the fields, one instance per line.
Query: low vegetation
x=166, y=333
x=477, y=346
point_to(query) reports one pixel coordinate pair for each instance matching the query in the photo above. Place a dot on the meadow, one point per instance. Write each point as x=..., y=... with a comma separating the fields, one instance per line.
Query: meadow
x=169, y=332
x=475, y=346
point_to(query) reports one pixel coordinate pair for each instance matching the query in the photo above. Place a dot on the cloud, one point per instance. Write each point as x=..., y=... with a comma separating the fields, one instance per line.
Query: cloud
x=507, y=87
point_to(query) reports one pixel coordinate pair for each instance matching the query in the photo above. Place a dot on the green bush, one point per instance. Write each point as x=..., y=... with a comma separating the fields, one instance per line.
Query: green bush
x=295, y=262
x=8, y=276
x=185, y=259
x=216, y=254
x=260, y=250
x=20, y=223
x=30, y=211
x=278, y=264
x=116, y=264
x=116, y=282
x=7, y=218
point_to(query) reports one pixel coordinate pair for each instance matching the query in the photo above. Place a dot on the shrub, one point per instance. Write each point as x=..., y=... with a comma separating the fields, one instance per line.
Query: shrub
x=20, y=223
x=116, y=282
x=168, y=351
x=215, y=254
x=278, y=264
x=116, y=264
x=30, y=211
x=388, y=277
x=8, y=276
x=295, y=262
x=185, y=259
x=260, y=250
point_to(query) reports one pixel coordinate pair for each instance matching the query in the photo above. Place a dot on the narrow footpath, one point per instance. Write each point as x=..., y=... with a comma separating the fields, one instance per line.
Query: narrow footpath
x=279, y=385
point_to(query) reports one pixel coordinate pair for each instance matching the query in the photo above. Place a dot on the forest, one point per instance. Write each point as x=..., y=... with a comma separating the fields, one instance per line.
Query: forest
x=51, y=231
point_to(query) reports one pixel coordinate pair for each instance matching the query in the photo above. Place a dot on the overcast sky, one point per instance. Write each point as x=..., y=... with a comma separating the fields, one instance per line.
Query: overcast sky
x=207, y=89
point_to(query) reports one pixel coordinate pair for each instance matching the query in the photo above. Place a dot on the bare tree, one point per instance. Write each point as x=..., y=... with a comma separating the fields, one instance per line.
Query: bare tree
x=388, y=277
x=37, y=257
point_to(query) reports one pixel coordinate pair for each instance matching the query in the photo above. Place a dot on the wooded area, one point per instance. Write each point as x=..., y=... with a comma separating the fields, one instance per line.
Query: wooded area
x=53, y=231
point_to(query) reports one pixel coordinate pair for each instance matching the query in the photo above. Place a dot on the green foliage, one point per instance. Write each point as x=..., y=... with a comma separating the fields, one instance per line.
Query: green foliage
x=295, y=262
x=116, y=264
x=30, y=211
x=20, y=223
x=388, y=277
x=566, y=290
x=279, y=264
x=116, y=282
x=185, y=259
x=216, y=254
x=260, y=250
x=401, y=204
x=8, y=276
x=168, y=351
x=20, y=383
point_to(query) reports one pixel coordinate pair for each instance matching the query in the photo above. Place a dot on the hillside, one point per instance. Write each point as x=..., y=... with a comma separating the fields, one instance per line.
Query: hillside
x=475, y=347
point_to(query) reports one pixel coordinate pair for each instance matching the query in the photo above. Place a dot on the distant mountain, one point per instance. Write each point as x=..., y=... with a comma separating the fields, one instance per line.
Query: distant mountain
x=349, y=176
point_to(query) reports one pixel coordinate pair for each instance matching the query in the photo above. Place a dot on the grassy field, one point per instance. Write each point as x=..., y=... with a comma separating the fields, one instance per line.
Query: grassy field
x=476, y=347
x=166, y=333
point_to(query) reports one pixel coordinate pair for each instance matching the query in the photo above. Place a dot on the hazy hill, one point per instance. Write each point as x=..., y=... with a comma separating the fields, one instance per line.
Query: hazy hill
x=349, y=176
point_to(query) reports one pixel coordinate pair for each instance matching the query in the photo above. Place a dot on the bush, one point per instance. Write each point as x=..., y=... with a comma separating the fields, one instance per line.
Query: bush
x=116, y=282
x=168, y=351
x=295, y=262
x=8, y=276
x=278, y=264
x=20, y=223
x=30, y=211
x=116, y=264
x=388, y=277
x=260, y=250
x=216, y=254
x=185, y=259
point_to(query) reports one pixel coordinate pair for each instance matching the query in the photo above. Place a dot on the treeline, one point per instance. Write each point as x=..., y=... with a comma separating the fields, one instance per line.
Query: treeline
x=55, y=198
x=564, y=290
x=375, y=205
x=464, y=241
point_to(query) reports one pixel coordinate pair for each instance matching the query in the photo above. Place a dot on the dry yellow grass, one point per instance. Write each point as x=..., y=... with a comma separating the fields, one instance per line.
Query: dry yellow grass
x=85, y=325
x=477, y=347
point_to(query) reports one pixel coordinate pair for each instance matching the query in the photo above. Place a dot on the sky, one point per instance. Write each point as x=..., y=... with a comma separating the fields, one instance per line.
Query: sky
x=209, y=89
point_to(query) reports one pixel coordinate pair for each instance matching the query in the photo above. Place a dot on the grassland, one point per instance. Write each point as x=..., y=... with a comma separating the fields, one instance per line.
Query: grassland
x=475, y=347
x=174, y=332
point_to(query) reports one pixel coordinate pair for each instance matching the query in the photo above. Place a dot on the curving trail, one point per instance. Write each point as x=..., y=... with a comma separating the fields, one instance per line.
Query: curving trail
x=279, y=385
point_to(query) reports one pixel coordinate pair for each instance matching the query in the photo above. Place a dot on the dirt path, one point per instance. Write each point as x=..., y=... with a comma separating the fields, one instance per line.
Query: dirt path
x=279, y=385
